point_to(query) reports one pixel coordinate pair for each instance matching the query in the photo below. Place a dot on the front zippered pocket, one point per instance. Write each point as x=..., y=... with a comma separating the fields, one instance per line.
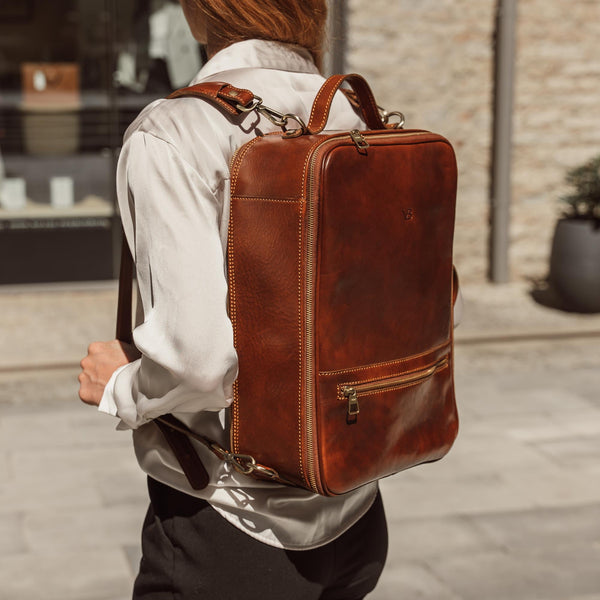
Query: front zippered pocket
x=352, y=392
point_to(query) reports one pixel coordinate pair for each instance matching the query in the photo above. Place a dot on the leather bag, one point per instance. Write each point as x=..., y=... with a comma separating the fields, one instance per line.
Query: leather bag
x=341, y=291
x=50, y=86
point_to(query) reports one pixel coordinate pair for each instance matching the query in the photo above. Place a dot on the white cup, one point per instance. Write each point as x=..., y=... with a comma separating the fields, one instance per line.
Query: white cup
x=62, y=192
x=12, y=193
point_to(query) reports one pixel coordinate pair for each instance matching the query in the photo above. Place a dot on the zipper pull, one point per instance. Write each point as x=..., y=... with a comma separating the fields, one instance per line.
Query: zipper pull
x=352, y=395
x=359, y=141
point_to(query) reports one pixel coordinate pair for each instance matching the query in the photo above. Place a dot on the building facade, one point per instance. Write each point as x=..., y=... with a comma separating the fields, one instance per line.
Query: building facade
x=434, y=60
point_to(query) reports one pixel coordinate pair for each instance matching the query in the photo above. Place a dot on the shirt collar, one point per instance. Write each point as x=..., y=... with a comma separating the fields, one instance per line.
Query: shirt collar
x=265, y=54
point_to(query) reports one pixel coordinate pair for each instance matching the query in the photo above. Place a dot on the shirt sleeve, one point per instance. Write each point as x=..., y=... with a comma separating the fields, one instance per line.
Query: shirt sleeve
x=172, y=219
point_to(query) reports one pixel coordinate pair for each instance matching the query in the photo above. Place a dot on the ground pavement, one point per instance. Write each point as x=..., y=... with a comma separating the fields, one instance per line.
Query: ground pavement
x=513, y=513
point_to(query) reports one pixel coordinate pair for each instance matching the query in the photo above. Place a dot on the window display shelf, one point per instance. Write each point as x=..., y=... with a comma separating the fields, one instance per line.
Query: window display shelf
x=90, y=206
x=35, y=215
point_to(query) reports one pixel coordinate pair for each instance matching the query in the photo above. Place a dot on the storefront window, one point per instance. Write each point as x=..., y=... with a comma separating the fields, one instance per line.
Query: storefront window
x=73, y=75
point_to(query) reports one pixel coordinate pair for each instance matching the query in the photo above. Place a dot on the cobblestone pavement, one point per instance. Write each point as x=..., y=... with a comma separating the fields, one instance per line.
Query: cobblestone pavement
x=513, y=513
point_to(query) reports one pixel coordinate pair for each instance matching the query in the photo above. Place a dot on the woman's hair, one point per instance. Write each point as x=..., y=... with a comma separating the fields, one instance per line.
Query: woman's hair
x=299, y=22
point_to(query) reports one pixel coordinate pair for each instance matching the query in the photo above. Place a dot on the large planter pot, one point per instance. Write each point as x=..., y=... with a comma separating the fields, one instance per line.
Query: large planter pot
x=575, y=263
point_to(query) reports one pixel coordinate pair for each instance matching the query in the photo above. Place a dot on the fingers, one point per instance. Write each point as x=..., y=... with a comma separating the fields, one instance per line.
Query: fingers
x=102, y=359
x=88, y=392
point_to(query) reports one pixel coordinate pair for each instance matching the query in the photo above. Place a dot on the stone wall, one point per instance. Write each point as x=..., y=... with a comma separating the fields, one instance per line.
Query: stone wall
x=433, y=59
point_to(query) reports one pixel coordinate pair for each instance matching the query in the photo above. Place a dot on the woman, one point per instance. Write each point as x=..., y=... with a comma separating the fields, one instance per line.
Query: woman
x=237, y=538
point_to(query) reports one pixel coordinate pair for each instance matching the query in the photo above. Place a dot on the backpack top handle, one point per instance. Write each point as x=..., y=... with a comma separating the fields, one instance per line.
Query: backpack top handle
x=363, y=95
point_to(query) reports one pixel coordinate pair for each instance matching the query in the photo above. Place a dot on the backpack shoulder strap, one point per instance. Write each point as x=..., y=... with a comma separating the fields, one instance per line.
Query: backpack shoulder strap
x=234, y=101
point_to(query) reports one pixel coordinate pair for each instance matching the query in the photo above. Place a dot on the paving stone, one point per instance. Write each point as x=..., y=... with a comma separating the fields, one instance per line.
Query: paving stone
x=76, y=459
x=535, y=402
x=73, y=575
x=534, y=531
x=582, y=423
x=558, y=488
x=529, y=356
x=50, y=490
x=475, y=454
x=416, y=539
x=123, y=488
x=76, y=318
x=84, y=528
x=12, y=540
x=4, y=472
x=433, y=497
x=411, y=580
x=574, y=451
x=557, y=574
x=63, y=429
x=52, y=388
x=133, y=552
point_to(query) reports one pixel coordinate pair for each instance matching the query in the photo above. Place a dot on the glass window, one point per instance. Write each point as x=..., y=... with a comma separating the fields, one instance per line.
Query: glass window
x=73, y=75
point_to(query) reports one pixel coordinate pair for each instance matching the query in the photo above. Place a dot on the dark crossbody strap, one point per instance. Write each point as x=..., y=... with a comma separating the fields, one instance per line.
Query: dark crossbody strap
x=179, y=443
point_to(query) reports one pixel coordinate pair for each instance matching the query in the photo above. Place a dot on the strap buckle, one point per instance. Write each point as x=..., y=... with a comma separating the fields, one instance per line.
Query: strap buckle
x=243, y=463
x=276, y=117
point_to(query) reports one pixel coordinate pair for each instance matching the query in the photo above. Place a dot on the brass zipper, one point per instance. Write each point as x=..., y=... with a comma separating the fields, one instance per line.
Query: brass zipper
x=309, y=276
x=352, y=392
x=359, y=141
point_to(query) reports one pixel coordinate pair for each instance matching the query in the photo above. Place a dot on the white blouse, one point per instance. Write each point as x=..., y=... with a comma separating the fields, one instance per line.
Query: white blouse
x=173, y=193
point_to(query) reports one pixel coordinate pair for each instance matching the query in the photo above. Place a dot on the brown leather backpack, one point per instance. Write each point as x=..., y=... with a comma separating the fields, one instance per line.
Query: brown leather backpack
x=341, y=294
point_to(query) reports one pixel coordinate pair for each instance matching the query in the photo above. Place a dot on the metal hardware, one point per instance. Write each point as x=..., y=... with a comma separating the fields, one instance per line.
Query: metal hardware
x=385, y=117
x=352, y=395
x=243, y=463
x=359, y=141
x=256, y=102
x=266, y=471
x=276, y=117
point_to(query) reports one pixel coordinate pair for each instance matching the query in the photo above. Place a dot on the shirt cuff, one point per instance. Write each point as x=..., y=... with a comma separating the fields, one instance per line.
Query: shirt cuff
x=107, y=403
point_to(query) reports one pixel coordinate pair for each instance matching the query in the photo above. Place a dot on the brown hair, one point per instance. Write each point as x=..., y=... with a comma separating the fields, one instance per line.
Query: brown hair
x=299, y=22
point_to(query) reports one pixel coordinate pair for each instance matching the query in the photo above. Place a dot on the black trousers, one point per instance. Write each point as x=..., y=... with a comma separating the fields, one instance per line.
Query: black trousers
x=190, y=552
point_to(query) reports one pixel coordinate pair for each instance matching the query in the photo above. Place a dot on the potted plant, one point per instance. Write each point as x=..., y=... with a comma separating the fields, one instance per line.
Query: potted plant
x=575, y=258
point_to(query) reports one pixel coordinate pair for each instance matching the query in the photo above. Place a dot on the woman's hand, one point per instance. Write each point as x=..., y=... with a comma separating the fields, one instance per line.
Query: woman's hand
x=102, y=360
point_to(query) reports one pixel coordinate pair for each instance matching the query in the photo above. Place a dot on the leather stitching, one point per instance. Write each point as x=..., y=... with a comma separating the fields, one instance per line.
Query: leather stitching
x=304, y=197
x=237, y=161
x=389, y=389
x=234, y=433
x=256, y=198
x=372, y=101
x=300, y=463
x=379, y=377
x=386, y=363
x=314, y=106
x=325, y=116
